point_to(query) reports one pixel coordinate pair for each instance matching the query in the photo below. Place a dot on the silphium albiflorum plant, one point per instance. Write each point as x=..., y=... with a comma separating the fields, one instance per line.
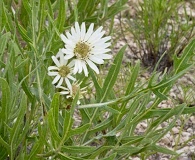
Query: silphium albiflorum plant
x=61, y=99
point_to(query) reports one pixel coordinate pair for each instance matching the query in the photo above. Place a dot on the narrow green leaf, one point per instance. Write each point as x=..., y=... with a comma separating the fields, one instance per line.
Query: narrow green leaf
x=53, y=129
x=162, y=112
x=63, y=156
x=23, y=33
x=7, y=19
x=131, y=83
x=182, y=62
x=50, y=9
x=112, y=11
x=112, y=74
x=78, y=149
x=38, y=143
x=61, y=16
x=82, y=5
x=55, y=105
x=112, y=110
x=111, y=157
x=96, y=85
x=100, y=150
x=5, y=144
x=131, y=140
x=175, y=111
x=134, y=75
x=21, y=75
x=5, y=100
x=4, y=40
x=159, y=94
x=101, y=126
x=27, y=6
x=3, y=154
x=42, y=15
x=160, y=149
x=1, y=15
x=127, y=149
x=74, y=103
x=80, y=130
x=18, y=125
x=67, y=125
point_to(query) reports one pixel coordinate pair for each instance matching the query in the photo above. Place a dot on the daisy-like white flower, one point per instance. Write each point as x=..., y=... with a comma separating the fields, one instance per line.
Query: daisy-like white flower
x=71, y=92
x=86, y=47
x=62, y=71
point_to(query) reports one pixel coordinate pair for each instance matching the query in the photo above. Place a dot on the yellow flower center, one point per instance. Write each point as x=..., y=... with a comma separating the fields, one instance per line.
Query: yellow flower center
x=81, y=50
x=64, y=71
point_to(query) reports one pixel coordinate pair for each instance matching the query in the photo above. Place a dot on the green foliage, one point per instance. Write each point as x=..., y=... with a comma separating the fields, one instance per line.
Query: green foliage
x=159, y=28
x=36, y=122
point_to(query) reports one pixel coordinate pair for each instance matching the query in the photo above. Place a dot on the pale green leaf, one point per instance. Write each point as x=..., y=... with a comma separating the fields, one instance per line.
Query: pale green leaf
x=53, y=129
x=112, y=74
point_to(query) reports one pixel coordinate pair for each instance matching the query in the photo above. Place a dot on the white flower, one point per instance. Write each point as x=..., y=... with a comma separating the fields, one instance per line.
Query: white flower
x=86, y=47
x=62, y=71
x=71, y=92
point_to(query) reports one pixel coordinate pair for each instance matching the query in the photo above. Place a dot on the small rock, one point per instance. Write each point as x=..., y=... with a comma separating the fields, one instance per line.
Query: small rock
x=175, y=130
x=186, y=134
x=166, y=141
x=144, y=125
x=190, y=130
x=192, y=119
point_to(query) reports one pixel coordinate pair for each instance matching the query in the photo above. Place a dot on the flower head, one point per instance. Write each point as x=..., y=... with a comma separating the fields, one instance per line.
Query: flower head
x=86, y=47
x=62, y=71
x=71, y=92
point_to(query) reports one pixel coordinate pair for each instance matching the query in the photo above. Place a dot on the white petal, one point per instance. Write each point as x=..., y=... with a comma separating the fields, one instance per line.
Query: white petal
x=52, y=73
x=63, y=37
x=67, y=41
x=76, y=68
x=56, y=79
x=83, y=31
x=68, y=84
x=96, y=59
x=70, y=47
x=85, y=69
x=96, y=38
x=104, y=56
x=70, y=42
x=102, y=45
x=68, y=96
x=64, y=88
x=55, y=60
x=78, y=102
x=68, y=35
x=67, y=51
x=95, y=34
x=74, y=34
x=62, y=60
x=64, y=92
x=52, y=68
x=71, y=64
x=77, y=28
x=93, y=66
x=103, y=40
x=89, y=32
x=71, y=77
x=68, y=56
x=100, y=51
x=60, y=82
x=79, y=66
x=59, y=53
